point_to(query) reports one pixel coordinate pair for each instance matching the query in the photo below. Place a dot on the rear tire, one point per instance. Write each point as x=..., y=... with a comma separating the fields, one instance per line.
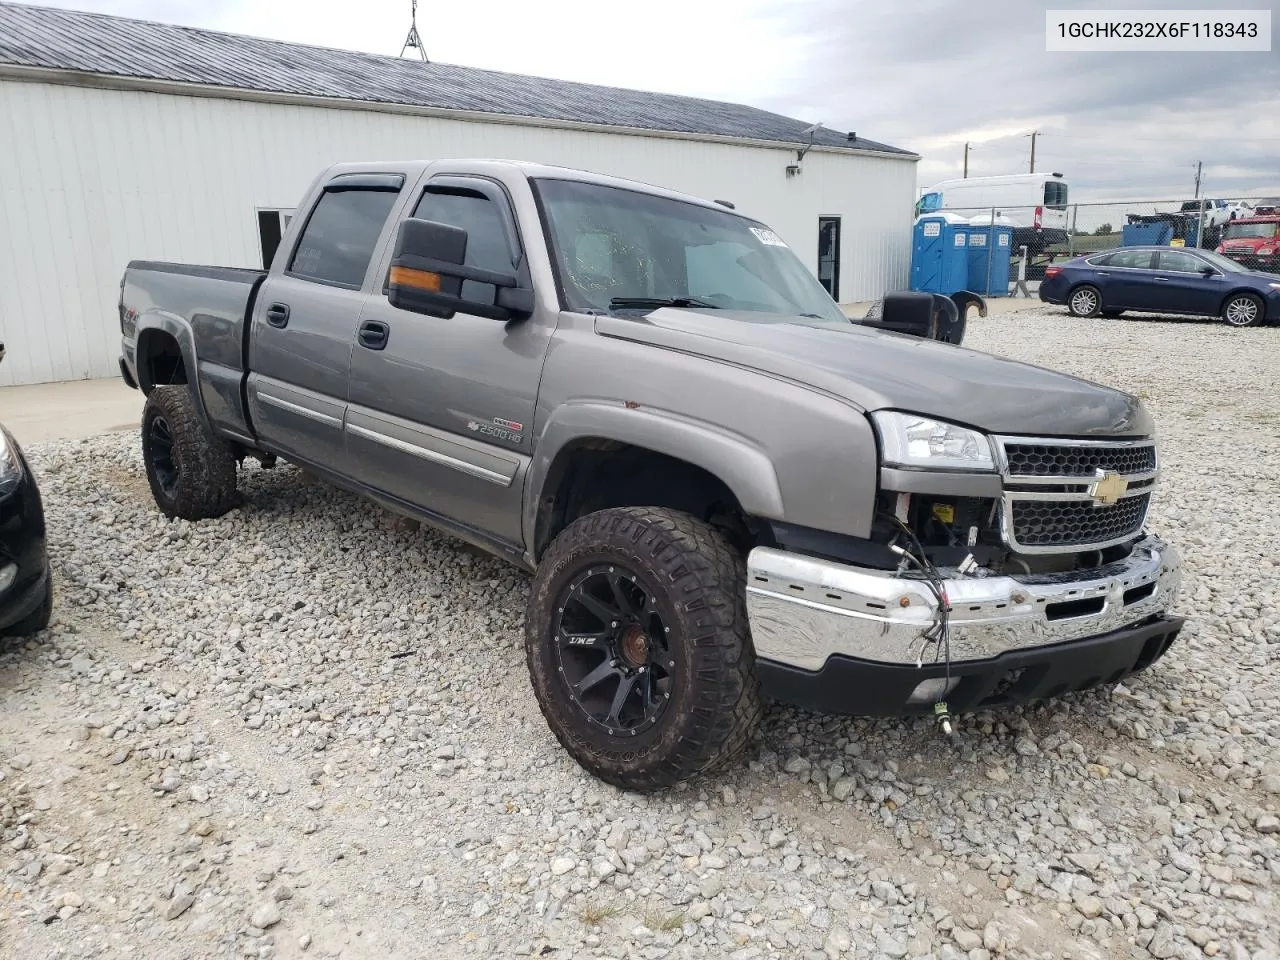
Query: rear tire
x=39, y=618
x=192, y=473
x=653, y=599
x=1244, y=310
x=1084, y=301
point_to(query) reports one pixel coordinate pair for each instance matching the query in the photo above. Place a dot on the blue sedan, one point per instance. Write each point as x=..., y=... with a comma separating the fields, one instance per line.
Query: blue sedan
x=1163, y=280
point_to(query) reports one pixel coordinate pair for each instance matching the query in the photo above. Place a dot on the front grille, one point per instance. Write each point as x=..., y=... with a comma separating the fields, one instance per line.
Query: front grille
x=1076, y=523
x=1064, y=460
x=1048, y=503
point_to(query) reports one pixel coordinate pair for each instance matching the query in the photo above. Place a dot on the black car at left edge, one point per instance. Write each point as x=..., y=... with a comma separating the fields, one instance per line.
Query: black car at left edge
x=26, y=584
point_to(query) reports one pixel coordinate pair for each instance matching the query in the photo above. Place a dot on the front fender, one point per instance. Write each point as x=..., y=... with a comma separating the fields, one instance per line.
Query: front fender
x=743, y=467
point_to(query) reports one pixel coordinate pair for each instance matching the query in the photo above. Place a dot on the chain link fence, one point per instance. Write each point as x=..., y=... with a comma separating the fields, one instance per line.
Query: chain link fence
x=1246, y=230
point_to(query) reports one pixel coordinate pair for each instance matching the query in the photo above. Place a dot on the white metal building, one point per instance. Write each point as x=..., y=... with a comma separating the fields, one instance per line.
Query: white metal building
x=123, y=139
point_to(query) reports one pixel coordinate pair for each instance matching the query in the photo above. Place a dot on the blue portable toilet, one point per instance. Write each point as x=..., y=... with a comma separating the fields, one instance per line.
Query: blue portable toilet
x=990, y=253
x=939, y=253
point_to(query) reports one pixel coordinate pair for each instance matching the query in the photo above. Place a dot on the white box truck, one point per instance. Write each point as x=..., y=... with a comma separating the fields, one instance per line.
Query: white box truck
x=1036, y=204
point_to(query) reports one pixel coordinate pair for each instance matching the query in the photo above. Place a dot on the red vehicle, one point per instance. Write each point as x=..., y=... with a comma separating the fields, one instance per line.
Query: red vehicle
x=1253, y=242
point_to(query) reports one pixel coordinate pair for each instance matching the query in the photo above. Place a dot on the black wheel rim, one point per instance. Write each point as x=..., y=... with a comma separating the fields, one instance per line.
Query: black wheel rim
x=613, y=651
x=160, y=452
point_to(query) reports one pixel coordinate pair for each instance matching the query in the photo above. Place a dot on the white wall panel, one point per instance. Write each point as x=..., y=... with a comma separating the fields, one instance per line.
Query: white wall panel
x=92, y=178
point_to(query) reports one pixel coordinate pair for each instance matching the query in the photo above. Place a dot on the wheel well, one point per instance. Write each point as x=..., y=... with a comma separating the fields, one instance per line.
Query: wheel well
x=1237, y=292
x=596, y=474
x=159, y=360
x=1084, y=283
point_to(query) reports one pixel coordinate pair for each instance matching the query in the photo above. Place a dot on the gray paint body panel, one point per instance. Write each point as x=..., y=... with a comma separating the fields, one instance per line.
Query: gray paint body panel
x=773, y=406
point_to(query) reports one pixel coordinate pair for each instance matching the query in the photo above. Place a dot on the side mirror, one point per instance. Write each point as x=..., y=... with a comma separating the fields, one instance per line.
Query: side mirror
x=929, y=316
x=1208, y=271
x=428, y=272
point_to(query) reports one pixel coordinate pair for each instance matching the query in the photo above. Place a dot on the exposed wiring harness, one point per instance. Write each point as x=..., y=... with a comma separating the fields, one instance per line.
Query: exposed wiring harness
x=938, y=635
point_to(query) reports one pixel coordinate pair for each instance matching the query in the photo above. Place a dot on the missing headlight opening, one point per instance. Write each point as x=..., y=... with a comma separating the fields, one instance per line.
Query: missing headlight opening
x=952, y=529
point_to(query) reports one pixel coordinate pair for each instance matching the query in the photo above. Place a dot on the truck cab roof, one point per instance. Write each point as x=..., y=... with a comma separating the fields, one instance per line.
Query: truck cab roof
x=412, y=169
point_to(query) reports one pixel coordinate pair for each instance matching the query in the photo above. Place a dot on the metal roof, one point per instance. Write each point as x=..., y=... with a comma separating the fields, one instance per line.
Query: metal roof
x=91, y=43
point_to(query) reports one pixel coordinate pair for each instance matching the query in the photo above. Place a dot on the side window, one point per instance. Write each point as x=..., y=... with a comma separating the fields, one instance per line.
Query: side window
x=1174, y=261
x=487, y=246
x=1134, y=259
x=337, y=243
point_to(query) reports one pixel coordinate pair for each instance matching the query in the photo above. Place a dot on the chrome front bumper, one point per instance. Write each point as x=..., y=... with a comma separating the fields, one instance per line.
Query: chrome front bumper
x=803, y=610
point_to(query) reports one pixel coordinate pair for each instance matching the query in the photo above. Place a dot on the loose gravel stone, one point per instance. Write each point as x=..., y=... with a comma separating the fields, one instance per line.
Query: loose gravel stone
x=265, y=916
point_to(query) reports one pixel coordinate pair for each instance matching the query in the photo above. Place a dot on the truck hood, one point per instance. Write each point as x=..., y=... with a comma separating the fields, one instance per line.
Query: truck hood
x=877, y=370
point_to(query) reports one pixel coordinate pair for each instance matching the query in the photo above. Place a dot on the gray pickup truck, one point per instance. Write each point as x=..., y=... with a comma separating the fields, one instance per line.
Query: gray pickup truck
x=726, y=490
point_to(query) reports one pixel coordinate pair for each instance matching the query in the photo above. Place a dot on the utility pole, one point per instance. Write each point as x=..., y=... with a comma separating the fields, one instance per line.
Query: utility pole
x=1199, y=166
x=1034, y=134
x=966, y=161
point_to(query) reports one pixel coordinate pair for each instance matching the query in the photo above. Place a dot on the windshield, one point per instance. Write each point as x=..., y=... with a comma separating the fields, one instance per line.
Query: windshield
x=1222, y=263
x=622, y=249
x=1237, y=230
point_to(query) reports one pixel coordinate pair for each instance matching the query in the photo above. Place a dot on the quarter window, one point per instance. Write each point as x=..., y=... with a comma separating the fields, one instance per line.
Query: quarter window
x=339, y=238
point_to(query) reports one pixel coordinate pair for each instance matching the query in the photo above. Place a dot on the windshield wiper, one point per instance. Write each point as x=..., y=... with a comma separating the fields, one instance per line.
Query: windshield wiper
x=653, y=303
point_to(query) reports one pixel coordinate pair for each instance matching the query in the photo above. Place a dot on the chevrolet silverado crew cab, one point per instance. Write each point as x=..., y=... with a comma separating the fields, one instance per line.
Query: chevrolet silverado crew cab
x=725, y=489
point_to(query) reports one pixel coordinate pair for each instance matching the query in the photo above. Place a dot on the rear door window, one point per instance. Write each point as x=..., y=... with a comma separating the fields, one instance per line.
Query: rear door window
x=1055, y=195
x=1132, y=259
x=337, y=243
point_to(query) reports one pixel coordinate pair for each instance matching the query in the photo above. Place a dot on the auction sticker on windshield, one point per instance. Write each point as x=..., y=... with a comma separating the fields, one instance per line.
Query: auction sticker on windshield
x=767, y=236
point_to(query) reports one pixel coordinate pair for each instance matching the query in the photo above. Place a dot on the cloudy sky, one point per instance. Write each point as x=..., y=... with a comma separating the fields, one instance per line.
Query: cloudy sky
x=926, y=74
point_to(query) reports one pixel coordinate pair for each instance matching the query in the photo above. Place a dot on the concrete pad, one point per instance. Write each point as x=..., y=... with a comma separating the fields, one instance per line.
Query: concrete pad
x=71, y=410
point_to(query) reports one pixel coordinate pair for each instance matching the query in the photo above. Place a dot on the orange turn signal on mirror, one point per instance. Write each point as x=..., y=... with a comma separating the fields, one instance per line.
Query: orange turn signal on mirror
x=415, y=279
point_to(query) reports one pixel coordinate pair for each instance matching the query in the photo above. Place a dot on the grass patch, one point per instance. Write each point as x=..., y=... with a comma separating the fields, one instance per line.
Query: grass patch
x=595, y=914
x=660, y=922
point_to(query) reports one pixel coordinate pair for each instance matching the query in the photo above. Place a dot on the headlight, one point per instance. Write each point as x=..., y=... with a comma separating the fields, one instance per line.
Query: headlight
x=910, y=440
x=10, y=472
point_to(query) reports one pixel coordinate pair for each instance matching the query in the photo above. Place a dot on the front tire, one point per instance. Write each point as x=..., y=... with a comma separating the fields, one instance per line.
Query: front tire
x=1085, y=301
x=1244, y=310
x=192, y=473
x=638, y=647
x=38, y=618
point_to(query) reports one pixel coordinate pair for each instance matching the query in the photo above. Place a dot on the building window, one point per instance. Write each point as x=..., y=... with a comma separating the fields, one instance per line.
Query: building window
x=829, y=255
x=271, y=227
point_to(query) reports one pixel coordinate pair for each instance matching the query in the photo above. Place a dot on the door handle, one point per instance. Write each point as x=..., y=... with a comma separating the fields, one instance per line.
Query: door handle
x=1102, y=274
x=278, y=315
x=373, y=334
x=1162, y=279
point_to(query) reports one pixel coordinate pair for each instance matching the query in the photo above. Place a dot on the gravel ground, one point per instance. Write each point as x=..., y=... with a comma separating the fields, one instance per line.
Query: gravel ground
x=306, y=729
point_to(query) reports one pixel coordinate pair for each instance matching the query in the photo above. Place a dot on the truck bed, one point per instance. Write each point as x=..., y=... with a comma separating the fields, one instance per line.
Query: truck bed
x=206, y=310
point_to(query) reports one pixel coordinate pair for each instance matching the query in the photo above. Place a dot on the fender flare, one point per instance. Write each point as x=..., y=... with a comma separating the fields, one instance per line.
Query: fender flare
x=742, y=466
x=177, y=328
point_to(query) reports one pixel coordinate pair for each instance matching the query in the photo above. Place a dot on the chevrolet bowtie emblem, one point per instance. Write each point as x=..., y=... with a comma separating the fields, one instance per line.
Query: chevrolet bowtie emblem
x=1108, y=488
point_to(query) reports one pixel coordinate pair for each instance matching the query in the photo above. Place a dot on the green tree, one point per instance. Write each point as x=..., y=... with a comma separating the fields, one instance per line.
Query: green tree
x=1103, y=230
